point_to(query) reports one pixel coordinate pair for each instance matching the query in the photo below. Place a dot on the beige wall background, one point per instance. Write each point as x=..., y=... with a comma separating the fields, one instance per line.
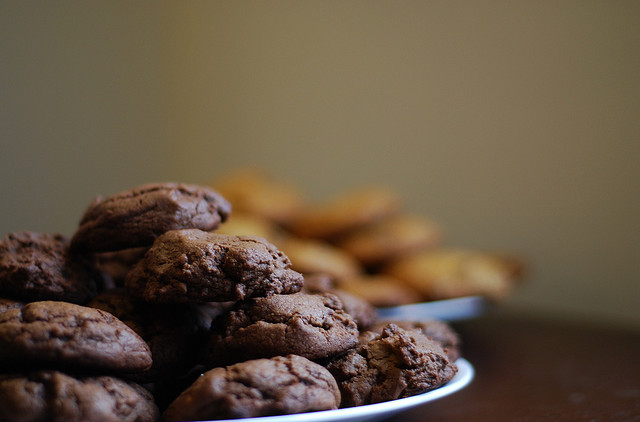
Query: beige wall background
x=515, y=124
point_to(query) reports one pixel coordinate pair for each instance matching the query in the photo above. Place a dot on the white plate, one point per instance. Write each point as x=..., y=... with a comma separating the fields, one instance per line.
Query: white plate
x=445, y=310
x=376, y=411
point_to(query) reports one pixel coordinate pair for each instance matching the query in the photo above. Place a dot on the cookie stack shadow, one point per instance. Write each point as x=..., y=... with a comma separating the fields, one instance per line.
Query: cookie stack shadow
x=153, y=311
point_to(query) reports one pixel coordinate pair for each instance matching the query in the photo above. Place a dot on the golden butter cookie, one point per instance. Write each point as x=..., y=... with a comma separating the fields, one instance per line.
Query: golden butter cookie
x=243, y=224
x=449, y=273
x=252, y=191
x=390, y=238
x=346, y=212
x=311, y=256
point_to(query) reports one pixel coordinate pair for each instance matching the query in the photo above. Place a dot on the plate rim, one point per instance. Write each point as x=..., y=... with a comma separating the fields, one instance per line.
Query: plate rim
x=463, y=377
x=446, y=309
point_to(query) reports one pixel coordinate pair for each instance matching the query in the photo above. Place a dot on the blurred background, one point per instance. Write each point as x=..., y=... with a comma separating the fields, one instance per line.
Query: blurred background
x=514, y=124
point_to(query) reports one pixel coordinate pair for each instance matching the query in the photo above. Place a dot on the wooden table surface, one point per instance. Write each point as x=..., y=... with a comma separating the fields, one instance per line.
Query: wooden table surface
x=533, y=369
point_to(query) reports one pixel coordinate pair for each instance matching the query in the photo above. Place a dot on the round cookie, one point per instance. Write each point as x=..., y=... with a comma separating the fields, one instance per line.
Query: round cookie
x=311, y=256
x=40, y=266
x=240, y=224
x=313, y=326
x=450, y=273
x=135, y=218
x=395, y=236
x=195, y=266
x=346, y=212
x=261, y=387
x=436, y=330
x=68, y=335
x=53, y=396
x=252, y=191
x=397, y=363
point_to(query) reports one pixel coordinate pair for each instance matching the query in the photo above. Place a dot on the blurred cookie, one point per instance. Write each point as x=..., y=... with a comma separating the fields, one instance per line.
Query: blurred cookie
x=346, y=212
x=436, y=330
x=311, y=256
x=380, y=290
x=53, y=396
x=195, y=266
x=40, y=266
x=449, y=273
x=240, y=224
x=68, y=335
x=313, y=326
x=136, y=217
x=261, y=387
x=390, y=238
x=397, y=363
x=252, y=191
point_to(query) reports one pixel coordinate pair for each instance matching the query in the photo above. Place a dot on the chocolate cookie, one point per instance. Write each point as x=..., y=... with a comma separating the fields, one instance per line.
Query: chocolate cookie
x=261, y=387
x=313, y=326
x=438, y=331
x=136, y=217
x=397, y=363
x=63, y=334
x=196, y=266
x=40, y=266
x=53, y=396
x=362, y=311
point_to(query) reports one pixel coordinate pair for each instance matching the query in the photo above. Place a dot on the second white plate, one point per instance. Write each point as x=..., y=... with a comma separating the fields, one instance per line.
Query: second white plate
x=445, y=310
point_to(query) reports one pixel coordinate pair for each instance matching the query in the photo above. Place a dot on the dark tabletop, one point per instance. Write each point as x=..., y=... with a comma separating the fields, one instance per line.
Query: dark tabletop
x=534, y=368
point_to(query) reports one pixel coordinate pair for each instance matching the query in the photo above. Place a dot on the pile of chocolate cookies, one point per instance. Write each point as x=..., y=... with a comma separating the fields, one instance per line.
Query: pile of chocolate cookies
x=152, y=312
